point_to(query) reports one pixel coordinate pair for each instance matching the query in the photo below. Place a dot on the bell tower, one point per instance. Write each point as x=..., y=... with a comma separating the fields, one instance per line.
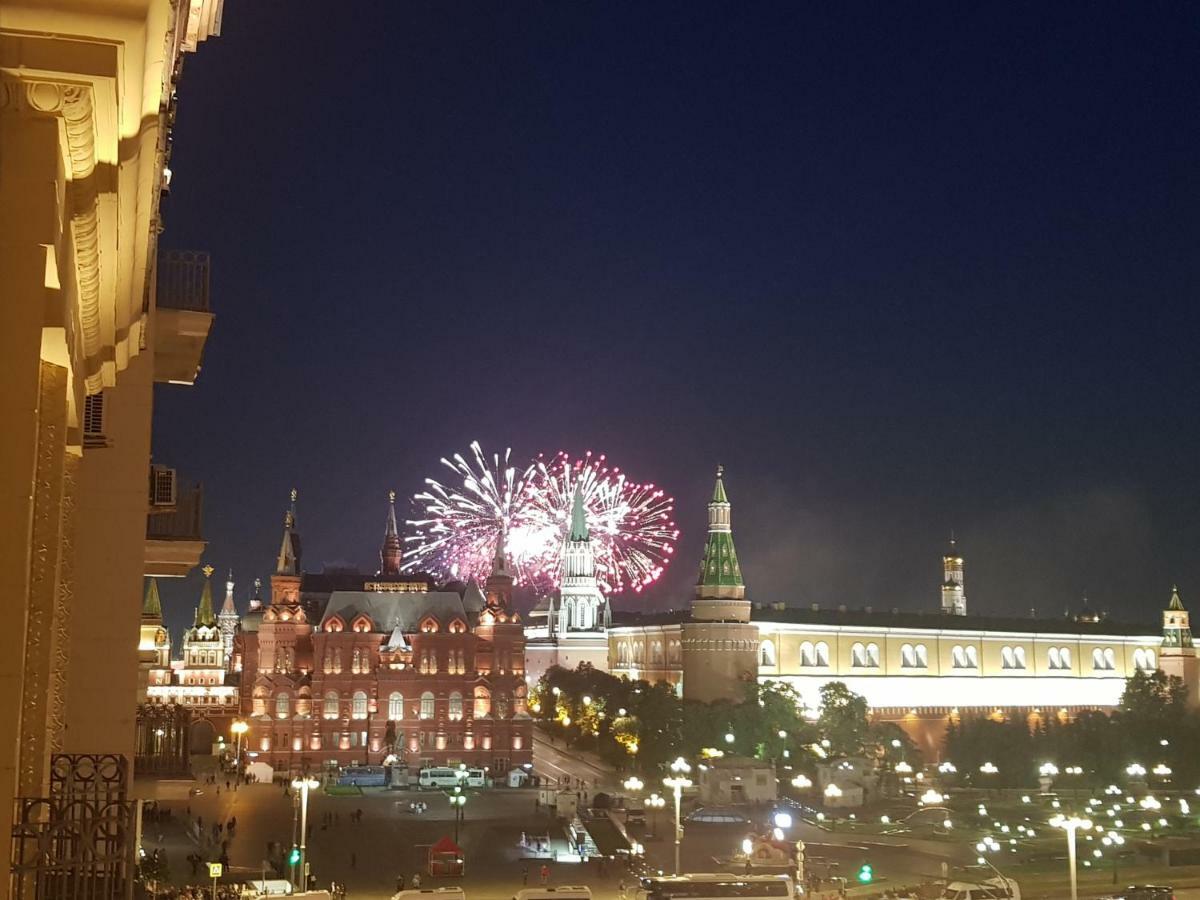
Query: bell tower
x=1178, y=654
x=954, y=596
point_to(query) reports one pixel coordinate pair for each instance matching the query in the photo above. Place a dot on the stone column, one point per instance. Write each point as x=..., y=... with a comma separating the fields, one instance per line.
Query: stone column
x=28, y=172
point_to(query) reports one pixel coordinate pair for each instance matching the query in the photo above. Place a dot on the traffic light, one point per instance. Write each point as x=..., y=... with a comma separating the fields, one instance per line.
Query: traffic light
x=294, y=856
x=865, y=873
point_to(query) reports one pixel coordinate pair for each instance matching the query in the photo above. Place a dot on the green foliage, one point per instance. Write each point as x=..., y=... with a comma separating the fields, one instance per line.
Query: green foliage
x=843, y=720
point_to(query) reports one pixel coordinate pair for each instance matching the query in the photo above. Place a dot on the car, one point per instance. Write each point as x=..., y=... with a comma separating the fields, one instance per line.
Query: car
x=1146, y=892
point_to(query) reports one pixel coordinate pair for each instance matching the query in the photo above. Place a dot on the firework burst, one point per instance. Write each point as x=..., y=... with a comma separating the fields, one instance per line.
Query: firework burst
x=632, y=532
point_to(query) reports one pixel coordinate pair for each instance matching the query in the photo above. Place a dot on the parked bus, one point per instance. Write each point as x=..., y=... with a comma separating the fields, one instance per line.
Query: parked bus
x=437, y=777
x=716, y=887
x=363, y=776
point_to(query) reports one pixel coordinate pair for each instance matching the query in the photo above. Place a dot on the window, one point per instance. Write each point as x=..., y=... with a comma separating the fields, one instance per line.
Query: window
x=483, y=702
x=395, y=706
x=964, y=657
x=1104, y=660
x=331, y=705
x=355, y=661
x=766, y=653
x=427, y=705
x=914, y=657
x=656, y=653
x=456, y=706
x=858, y=656
x=808, y=654
x=1143, y=659
x=873, y=656
x=1012, y=657
x=1059, y=658
x=358, y=705
x=822, y=653
x=283, y=706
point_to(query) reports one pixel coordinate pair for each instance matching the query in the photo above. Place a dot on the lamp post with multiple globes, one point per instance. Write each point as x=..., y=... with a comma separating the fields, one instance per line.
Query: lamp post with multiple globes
x=677, y=781
x=304, y=784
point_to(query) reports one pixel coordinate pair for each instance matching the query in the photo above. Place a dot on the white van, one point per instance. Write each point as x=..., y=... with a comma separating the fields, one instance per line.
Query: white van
x=476, y=778
x=992, y=889
x=442, y=893
x=437, y=777
x=562, y=892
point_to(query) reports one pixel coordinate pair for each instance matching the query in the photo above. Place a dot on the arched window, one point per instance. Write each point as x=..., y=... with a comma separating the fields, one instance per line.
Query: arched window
x=283, y=706
x=1019, y=657
x=822, y=653
x=1006, y=658
x=1064, y=656
x=331, y=705
x=908, y=658
x=1110, y=658
x=766, y=653
x=395, y=706
x=873, y=656
x=1052, y=658
x=456, y=706
x=972, y=657
x=427, y=705
x=676, y=651
x=483, y=702
x=922, y=657
x=337, y=661
x=808, y=654
x=858, y=655
x=358, y=705
x=958, y=657
x=1143, y=659
x=656, y=653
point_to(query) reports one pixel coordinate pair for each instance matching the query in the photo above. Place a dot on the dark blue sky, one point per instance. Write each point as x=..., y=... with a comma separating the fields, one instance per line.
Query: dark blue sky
x=902, y=269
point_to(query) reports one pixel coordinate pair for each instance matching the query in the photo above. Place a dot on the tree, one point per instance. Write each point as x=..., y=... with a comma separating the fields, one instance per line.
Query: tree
x=843, y=719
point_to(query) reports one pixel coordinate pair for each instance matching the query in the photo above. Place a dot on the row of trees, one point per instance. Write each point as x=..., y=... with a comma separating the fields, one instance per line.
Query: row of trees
x=642, y=726
x=1152, y=727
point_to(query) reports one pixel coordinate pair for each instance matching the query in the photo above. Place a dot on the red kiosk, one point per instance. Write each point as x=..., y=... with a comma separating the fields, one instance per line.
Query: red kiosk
x=445, y=859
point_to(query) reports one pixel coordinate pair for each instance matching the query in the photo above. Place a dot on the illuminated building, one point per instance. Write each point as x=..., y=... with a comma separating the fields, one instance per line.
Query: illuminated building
x=87, y=102
x=918, y=669
x=341, y=668
x=575, y=615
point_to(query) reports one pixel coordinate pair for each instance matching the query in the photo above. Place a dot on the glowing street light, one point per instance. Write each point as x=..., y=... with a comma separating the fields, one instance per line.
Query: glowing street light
x=677, y=781
x=802, y=781
x=304, y=784
x=783, y=820
x=1070, y=824
x=238, y=728
x=1135, y=770
x=655, y=802
x=729, y=738
x=988, y=768
x=932, y=798
x=633, y=784
x=1048, y=769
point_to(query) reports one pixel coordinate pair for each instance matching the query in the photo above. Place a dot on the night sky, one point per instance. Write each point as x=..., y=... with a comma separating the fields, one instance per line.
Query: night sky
x=902, y=269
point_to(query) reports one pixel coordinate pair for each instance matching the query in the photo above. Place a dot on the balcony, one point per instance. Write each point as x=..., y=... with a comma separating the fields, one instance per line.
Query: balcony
x=174, y=533
x=183, y=319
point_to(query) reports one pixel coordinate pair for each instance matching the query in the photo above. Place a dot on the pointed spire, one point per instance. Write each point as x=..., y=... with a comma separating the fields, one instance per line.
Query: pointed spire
x=719, y=568
x=288, y=562
x=1176, y=603
x=228, y=607
x=579, y=528
x=500, y=558
x=204, y=612
x=719, y=488
x=392, y=550
x=152, y=605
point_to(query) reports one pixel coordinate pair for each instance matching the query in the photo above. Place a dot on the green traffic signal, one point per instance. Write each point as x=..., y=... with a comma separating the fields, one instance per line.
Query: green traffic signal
x=294, y=856
x=865, y=873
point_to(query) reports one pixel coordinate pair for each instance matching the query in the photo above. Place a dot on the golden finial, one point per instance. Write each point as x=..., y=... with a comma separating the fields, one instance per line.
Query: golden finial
x=391, y=496
x=720, y=470
x=295, y=493
x=208, y=570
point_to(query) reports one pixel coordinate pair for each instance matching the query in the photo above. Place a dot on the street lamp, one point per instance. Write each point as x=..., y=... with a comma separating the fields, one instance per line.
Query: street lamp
x=458, y=802
x=238, y=728
x=1071, y=824
x=655, y=802
x=304, y=784
x=633, y=784
x=677, y=781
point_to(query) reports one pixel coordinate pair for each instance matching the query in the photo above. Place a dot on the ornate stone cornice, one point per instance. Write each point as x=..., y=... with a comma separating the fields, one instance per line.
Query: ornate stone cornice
x=73, y=103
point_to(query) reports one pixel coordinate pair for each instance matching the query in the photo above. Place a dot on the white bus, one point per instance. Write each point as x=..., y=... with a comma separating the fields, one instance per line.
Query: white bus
x=442, y=893
x=437, y=777
x=716, y=887
x=562, y=892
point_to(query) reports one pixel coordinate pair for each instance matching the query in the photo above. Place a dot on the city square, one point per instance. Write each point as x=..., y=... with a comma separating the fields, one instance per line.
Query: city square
x=598, y=451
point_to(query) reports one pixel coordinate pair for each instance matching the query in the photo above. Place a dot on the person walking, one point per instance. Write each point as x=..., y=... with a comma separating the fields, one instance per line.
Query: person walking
x=416, y=882
x=399, y=883
x=545, y=873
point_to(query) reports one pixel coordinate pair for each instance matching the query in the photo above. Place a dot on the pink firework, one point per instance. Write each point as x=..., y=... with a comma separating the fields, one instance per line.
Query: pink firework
x=630, y=524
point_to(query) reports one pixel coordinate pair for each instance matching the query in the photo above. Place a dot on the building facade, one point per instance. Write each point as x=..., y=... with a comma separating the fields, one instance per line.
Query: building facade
x=87, y=102
x=344, y=669
x=917, y=669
